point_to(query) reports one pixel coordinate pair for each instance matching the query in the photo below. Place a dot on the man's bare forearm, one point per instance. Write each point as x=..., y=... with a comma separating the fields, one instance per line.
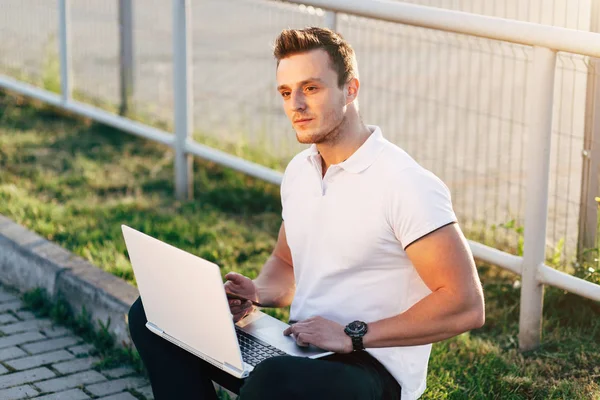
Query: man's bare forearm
x=275, y=283
x=439, y=316
x=445, y=263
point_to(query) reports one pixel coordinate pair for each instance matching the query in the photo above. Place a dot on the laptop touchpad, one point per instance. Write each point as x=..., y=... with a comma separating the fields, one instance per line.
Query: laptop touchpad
x=271, y=330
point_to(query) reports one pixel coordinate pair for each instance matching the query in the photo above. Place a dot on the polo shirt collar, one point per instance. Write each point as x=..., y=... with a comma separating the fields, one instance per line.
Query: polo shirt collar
x=364, y=156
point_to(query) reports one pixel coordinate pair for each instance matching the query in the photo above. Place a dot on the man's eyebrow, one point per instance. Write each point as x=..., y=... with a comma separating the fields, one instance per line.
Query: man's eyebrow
x=304, y=82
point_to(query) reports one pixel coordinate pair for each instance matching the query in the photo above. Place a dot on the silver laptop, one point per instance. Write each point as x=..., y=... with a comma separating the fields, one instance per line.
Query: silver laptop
x=185, y=303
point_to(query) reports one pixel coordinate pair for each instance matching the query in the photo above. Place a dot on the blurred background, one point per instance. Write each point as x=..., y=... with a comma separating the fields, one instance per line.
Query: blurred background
x=457, y=104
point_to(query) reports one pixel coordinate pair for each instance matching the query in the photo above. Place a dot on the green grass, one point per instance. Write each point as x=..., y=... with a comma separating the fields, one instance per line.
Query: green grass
x=74, y=182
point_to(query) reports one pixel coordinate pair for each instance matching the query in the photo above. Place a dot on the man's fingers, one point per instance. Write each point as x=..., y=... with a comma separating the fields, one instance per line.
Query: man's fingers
x=300, y=333
x=235, y=302
x=239, y=315
x=237, y=308
x=234, y=277
x=230, y=275
x=291, y=330
x=246, y=305
x=302, y=339
x=295, y=330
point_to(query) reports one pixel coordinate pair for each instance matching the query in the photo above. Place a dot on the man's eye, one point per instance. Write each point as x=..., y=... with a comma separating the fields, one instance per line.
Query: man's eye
x=285, y=94
x=311, y=88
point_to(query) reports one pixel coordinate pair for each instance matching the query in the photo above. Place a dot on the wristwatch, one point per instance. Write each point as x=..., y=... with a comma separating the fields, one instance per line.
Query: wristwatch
x=356, y=330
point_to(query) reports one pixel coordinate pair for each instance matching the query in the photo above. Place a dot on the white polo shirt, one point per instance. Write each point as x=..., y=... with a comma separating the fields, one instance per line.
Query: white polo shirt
x=347, y=233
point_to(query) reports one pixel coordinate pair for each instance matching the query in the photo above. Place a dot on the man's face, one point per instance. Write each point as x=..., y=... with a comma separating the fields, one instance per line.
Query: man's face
x=312, y=99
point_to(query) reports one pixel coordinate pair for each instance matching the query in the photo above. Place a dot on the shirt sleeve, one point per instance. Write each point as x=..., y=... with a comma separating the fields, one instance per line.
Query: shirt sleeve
x=420, y=204
x=283, y=191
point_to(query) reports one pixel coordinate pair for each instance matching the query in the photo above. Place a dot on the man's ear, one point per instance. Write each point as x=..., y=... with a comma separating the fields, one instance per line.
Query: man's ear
x=351, y=90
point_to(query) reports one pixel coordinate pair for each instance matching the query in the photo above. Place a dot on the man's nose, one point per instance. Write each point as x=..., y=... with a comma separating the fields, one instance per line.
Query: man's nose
x=298, y=103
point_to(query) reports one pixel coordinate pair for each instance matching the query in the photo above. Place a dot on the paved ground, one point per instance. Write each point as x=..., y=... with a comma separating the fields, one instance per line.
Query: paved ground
x=44, y=361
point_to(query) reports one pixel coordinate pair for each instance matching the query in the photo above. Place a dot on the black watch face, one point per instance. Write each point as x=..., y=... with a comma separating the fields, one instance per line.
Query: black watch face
x=356, y=328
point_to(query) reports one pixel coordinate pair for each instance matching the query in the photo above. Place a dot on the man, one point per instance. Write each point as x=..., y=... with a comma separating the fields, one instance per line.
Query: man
x=369, y=254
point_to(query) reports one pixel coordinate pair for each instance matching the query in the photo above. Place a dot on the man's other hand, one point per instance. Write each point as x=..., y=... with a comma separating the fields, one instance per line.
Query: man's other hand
x=243, y=286
x=320, y=332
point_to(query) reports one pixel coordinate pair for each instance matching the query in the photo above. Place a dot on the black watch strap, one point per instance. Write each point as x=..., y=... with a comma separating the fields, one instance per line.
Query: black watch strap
x=357, y=343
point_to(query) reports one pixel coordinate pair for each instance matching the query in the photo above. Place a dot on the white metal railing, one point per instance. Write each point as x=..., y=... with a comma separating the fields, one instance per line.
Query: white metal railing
x=545, y=40
x=182, y=84
x=65, y=50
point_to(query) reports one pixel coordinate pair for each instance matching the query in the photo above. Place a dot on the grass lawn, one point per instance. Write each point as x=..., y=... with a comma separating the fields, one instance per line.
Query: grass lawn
x=74, y=182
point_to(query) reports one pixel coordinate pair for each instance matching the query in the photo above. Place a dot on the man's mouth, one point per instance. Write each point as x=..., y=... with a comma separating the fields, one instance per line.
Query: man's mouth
x=302, y=121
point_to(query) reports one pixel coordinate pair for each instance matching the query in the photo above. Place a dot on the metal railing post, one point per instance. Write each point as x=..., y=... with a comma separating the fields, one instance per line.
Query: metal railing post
x=540, y=98
x=182, y=84
x=126, y=54
x=590, y=172
x=64, y=31
x=331, y=20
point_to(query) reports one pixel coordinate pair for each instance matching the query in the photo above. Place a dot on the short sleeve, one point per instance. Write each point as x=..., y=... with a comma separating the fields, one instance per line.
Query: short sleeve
x=420, y=204
x=282, y=192
x=290, y=175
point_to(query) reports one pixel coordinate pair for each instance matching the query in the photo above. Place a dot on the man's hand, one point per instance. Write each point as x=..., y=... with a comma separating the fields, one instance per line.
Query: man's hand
x=243, y=286
x=320, y=332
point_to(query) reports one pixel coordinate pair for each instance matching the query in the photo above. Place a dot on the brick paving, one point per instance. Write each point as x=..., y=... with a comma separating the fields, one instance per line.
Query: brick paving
x=39, y=360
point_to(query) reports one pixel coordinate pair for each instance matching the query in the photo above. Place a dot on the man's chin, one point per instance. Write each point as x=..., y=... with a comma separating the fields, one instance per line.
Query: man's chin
x=307, y=138
x=303, y=140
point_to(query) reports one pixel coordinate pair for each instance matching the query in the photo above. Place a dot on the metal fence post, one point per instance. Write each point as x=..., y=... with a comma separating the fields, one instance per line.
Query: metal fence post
x=588, y=209
x=182, y=84
x=331, y=20
x=126, y=54
x=64, y=31
x=540, y=98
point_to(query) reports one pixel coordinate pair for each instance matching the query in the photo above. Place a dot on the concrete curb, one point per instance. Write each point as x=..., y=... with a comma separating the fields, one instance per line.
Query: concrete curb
x=28, y=261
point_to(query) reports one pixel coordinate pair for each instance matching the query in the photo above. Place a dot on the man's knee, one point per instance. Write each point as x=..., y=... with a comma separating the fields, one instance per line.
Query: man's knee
x=271, y=379
x=137, y=319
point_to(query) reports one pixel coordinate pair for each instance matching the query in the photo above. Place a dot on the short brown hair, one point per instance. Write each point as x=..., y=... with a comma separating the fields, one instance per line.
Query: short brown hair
x=341, y=54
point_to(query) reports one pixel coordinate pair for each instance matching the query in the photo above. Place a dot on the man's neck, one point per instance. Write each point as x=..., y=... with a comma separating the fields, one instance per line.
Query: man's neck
x=348, y=141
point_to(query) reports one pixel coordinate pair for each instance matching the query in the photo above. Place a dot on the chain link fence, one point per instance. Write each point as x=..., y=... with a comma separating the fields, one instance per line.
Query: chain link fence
x=457, y=104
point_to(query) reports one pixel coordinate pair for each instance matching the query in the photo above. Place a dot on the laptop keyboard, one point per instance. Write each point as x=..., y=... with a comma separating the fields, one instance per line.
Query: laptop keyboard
x=254, y=350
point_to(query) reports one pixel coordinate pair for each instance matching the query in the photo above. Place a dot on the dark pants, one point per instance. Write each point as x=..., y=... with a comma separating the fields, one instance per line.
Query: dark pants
x=178, y=374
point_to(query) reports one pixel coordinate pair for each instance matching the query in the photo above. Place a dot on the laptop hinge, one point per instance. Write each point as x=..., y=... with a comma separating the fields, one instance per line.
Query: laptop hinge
x=232, y=368
x=155, y=329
